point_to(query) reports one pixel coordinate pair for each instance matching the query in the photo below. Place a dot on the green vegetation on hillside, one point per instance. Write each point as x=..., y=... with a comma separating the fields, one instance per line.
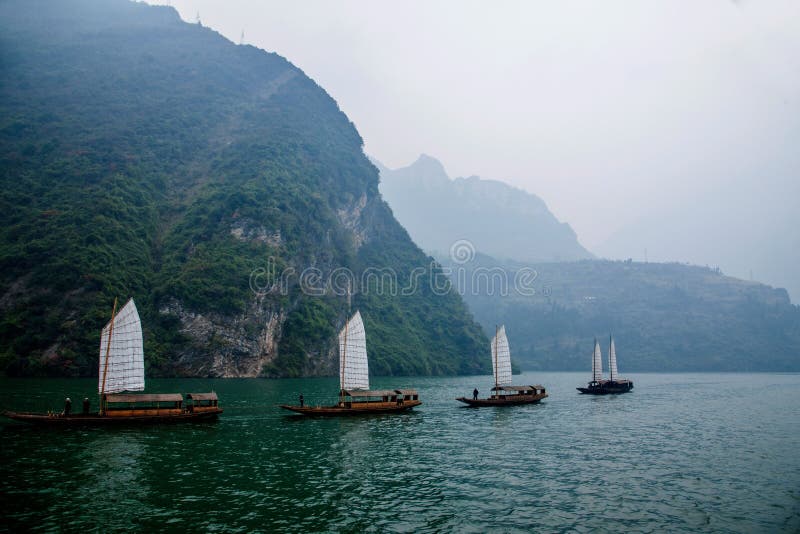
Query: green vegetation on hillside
x=144, y=157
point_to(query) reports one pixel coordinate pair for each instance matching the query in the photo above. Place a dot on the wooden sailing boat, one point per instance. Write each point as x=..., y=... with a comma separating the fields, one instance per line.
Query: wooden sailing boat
x=614, y=385
x=503, y=393
x=121, y=370
x=355, y=397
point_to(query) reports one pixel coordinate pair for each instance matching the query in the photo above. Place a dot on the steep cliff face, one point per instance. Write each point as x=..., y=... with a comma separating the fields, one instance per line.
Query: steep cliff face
x=217, y=184
x=241, y=346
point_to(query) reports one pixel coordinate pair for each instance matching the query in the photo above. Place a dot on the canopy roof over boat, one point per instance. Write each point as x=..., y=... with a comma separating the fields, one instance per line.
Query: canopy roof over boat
x=122, y=353
x=615, y=381
x=202, y=396
x=406, y=391
x=145, y=397
x=517, y=388
x=368, y=393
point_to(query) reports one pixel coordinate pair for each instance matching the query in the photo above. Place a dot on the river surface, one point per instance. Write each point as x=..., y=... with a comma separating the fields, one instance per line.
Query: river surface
x=682, y=452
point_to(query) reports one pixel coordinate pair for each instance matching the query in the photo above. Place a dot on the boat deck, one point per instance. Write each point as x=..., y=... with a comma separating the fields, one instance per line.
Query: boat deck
x=504, y=400
x=354, y=408
x=95, y=419
x=607, y=387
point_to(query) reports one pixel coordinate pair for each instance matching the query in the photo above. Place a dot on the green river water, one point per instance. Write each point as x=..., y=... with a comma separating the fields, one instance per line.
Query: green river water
x=682, y=452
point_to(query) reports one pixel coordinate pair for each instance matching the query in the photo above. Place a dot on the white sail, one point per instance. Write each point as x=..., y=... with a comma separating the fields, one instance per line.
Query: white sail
x=597, y=363
x=612, y=361
x=501, y=358
x=123, y=369
x=353, y=364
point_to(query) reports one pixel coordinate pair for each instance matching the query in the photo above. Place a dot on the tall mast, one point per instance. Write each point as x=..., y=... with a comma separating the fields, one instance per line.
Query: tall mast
x=610, y=353
x=597, y=362
x=496, y=356
x=343, y=356
x=108, y=351
x=612, y=359
x=349, y=298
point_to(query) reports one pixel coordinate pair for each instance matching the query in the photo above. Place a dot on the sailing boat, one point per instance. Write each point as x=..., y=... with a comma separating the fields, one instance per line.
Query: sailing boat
x=121, y=370
x=355, y=397
x=503, y=393
x=614, y=385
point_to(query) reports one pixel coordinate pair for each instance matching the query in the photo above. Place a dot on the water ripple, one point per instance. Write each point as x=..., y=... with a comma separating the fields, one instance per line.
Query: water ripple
x=697, y=453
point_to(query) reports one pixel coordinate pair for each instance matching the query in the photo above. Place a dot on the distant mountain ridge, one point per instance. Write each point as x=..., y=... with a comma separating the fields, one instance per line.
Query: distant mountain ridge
x=760, y=241
x=664, y=316
x=498, y=219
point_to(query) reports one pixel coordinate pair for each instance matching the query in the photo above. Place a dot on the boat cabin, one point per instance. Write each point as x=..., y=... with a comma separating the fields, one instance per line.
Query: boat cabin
x=622, y=384
x=373, y=397
x=607, y=382
x=202, y=402
x=505, y=392
x=407, y=395
x=131, y=404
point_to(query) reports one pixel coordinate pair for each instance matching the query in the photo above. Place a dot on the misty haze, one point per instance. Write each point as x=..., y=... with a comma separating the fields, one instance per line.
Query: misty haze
x=341, y=265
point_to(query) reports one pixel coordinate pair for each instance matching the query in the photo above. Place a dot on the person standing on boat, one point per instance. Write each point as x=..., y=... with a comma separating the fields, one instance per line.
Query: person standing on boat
x=67, y=406
x=86, y=406
x=475, y=394
x=302, y=400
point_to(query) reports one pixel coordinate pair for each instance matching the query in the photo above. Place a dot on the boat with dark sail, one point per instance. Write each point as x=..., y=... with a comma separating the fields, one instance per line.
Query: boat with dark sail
x=598, y=385
x=355, y=397
x=503, y=393
x=121, y=371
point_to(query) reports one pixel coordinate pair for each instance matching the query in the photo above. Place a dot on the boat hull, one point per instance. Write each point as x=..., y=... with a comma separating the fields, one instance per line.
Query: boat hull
x=366, y=409
x=523, y=399
x=95, y=419
x=607, y=389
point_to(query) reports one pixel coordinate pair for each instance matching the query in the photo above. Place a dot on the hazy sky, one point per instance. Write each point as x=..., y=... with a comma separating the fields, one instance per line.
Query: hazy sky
x=610, y=111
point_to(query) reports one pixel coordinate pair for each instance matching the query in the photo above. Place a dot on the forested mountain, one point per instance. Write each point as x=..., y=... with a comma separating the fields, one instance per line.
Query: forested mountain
x=145, y=157
x=664, y=317
x=498, y=219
